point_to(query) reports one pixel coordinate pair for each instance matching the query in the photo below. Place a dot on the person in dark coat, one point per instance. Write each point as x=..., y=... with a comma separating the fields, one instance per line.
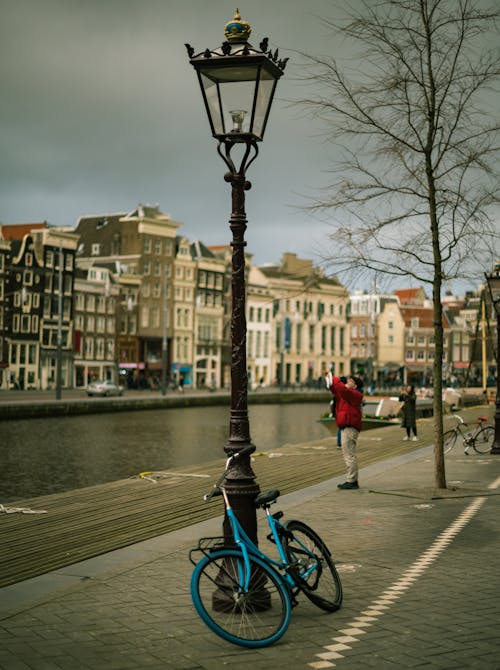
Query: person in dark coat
x=349, y=398
x=409, y=412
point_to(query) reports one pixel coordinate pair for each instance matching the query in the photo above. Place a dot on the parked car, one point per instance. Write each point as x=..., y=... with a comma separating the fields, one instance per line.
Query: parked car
x=104, y=387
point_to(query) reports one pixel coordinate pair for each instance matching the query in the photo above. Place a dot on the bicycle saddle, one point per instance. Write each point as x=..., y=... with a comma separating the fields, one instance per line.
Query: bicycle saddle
x=267, y=497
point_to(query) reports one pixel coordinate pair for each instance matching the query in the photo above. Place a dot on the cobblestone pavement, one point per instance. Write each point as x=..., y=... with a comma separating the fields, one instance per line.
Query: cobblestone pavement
x=421, y=584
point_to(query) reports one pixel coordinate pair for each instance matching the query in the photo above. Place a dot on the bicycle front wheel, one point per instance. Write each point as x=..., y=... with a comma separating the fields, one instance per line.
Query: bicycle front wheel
x=255, y=616
x=483, y=442
x=449, y=439
x=312, y=566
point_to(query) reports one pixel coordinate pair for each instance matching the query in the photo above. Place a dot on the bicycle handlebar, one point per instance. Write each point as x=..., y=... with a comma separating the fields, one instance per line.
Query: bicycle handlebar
x=216, y=490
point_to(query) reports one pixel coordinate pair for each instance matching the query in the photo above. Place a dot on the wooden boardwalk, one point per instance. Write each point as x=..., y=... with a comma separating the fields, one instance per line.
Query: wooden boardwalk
x=91, y=521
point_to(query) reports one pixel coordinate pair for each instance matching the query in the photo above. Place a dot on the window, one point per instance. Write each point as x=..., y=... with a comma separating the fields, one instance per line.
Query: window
x=29, y=259
x=147, y=245
x=258, y=344
x=311, y=338
x=410, y=355
x=96, y=249
x=390, y=339
x=147, y=267
x=250, y=344
x=100, y=347
x=157, y=246
x=354, y=330
x=89, y=347
x=421, y=355
x=50, y=259
x=390, y=325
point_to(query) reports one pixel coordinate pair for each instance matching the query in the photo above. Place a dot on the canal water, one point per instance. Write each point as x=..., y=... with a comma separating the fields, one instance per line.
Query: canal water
x=41, y=456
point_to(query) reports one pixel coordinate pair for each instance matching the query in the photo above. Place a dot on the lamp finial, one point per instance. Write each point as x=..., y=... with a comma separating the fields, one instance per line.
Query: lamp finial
x=237, y=30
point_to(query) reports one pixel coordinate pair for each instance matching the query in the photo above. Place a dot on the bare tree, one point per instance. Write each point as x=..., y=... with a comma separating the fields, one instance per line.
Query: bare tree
x=416, y=138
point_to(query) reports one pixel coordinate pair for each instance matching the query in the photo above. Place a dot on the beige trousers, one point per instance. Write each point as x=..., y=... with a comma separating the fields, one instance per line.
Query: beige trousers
x=349, y=441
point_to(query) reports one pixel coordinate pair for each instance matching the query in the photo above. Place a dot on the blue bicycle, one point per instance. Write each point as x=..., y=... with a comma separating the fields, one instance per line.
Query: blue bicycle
x=246, y=596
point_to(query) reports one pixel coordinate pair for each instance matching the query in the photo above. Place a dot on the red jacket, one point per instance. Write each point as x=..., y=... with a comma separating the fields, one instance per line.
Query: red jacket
x=348, y=404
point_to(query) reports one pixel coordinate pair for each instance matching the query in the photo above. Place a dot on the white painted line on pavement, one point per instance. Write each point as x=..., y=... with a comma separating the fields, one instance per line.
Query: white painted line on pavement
x=373, y=612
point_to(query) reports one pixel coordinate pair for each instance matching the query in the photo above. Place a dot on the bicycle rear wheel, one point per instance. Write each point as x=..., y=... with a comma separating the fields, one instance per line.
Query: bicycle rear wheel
x=449, y=439
x=483, y=441
x=312, y=566
x=255, y=617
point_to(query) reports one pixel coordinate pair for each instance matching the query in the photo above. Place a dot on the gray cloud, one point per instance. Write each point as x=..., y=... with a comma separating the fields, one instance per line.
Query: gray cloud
x=100, y=110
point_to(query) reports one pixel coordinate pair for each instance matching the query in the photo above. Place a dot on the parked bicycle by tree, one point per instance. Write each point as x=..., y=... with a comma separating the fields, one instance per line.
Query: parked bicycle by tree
x=480, y=438
x=244, y=595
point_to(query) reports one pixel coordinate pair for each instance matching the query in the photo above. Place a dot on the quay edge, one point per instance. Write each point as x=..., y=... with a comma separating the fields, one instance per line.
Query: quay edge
x=26, y=409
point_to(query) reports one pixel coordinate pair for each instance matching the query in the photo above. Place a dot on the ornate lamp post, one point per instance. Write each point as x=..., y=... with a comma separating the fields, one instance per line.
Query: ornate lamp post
x=237, y=83
x=493, y=281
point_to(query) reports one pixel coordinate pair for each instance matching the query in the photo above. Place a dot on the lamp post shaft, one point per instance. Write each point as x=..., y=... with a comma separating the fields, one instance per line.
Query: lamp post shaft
x=241, y=483
x=496, y=442
x=164, y=343
x=59, y=326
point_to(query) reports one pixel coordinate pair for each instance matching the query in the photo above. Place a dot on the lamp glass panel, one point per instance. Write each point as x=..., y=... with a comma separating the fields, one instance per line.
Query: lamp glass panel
x=211, y=94
x=265, y=91
x=227, y=89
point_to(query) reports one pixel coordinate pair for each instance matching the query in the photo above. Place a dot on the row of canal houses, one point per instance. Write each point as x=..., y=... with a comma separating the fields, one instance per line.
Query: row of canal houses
x=110, y=293
x=107, y=297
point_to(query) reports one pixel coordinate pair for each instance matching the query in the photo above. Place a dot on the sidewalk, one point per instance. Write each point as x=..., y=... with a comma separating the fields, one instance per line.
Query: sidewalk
x=420, y=576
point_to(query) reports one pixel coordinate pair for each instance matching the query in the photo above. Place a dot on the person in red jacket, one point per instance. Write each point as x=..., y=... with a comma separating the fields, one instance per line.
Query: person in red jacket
x=349, y=399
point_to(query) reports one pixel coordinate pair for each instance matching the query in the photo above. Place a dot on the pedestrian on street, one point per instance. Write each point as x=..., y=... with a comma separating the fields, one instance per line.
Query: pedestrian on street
x=409, y=412
x=348, y=394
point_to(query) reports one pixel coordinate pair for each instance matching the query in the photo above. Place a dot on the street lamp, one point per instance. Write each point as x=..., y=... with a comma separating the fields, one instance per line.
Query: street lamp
x=237, y=83
x=493, y=281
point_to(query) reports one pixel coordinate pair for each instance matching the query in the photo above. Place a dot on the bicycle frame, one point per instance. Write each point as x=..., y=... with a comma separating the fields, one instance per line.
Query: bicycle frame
x=247, y=546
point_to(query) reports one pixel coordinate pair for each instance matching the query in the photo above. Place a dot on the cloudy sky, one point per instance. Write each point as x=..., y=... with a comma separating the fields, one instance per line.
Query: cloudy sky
x=100, y=110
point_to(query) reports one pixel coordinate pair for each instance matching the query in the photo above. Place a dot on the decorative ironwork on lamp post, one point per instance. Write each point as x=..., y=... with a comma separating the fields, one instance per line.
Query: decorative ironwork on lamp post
x=493, y=281
x=237, y=83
